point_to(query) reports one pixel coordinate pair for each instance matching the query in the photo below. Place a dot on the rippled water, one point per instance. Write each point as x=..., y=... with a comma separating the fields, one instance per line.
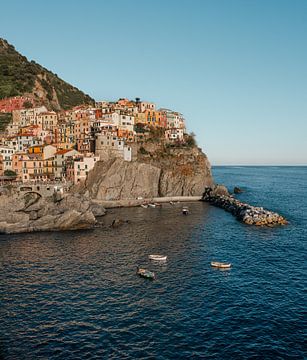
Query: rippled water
x=75, y=295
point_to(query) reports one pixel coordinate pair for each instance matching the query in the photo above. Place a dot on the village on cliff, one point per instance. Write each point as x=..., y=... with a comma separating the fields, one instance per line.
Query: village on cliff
x=42, y=146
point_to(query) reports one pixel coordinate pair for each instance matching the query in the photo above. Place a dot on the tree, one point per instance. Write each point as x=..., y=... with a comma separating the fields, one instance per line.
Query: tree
x=190, y=141
x=28, y=104
x=10, y=173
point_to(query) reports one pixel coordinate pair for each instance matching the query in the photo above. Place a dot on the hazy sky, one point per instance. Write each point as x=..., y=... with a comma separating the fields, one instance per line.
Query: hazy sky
x=237, y=69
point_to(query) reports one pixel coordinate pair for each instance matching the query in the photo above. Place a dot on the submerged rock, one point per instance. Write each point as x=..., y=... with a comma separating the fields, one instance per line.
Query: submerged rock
x=237, y=190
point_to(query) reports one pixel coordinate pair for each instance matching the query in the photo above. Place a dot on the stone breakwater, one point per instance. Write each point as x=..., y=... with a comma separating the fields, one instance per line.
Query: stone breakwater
x=251, y=215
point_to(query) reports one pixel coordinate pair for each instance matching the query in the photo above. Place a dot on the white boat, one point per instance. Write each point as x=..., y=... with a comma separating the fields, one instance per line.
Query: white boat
x=185, y=211
x=144, y=206
x=220, y=265
x=157, y=257
x=152, y=205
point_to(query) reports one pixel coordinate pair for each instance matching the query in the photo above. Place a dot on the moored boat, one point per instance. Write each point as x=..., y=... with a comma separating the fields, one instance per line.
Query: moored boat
x=220, y=265
x=152, y=205
x=144, y=206
x=145, y=273
x=157, y=204
x=157, y=257
x=185, y=211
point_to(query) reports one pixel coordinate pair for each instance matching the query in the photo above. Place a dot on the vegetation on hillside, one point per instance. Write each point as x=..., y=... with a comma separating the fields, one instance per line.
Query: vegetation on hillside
x=18, y=76
x=5, y=119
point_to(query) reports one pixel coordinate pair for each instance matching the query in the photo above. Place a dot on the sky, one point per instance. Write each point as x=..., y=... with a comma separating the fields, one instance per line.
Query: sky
x=236, y=69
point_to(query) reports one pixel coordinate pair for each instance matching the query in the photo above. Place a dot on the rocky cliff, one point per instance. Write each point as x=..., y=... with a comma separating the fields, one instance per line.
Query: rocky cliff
x=156, y=173
x=31, y=212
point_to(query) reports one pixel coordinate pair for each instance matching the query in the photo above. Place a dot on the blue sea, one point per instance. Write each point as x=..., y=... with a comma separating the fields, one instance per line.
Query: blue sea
x=75, y=295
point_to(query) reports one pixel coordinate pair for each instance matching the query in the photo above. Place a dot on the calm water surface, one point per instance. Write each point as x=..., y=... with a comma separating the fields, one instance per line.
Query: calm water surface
x=75, y=295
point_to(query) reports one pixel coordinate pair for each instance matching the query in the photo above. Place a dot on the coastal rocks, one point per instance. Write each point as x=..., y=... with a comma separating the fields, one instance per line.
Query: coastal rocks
x=97, y=209
x=237, y=190
x=31, y=213
x=246, y=213
x=220, y=190
x=118, y=222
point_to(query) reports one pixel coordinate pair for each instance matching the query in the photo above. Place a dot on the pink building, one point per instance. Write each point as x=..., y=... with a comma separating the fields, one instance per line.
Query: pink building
x=13, y=103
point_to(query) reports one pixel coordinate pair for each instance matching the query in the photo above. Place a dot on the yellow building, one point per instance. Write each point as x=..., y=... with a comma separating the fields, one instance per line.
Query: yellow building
x=153, y=117
x=140, y=118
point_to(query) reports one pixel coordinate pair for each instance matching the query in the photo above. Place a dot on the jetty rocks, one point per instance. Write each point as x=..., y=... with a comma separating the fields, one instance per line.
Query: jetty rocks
x=251, y=215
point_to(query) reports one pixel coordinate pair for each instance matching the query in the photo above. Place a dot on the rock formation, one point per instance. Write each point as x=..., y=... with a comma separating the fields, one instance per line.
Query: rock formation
x=246, y=213
x=237, y=190
x=176, y=172
x=31, y=212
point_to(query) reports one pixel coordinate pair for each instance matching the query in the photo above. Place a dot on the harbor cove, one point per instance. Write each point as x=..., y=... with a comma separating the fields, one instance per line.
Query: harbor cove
x=153, y=180
x=75, y=295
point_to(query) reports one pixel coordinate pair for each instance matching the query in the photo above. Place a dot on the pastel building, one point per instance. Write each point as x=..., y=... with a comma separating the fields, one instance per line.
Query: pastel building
x=174, y=134
x=13, y=103
x=26, y=117
x=145, y=105
x=45, y=151
x=17, y=163
x=7, y=155
x=59, y=161
x=108, y=145
x=78, y=167
x=47, y=120
x=26, y=140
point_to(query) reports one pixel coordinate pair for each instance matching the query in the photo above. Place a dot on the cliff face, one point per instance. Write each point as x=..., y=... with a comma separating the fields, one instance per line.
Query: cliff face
x=178, y=172
x=18, y=76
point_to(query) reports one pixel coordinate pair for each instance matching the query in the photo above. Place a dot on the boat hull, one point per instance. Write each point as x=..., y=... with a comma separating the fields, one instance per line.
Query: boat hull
x=158, y=257
x=220, y=265
x=146, y=274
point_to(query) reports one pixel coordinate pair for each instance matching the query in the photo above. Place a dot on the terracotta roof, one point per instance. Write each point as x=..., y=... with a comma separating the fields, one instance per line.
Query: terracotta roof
x=64, y=151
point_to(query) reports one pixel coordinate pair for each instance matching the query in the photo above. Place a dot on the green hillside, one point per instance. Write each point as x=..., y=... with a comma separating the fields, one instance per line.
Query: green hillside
x=18, y=76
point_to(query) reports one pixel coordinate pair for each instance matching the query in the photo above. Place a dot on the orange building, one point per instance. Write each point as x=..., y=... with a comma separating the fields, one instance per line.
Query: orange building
x=17, y=161
x=153, y=117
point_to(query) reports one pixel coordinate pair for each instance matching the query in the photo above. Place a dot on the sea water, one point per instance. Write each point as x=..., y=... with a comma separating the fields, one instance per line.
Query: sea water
x=75, y=295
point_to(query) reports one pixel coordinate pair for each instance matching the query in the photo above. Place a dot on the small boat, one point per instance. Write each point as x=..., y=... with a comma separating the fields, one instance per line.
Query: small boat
x=144, y=206
x=185, y=211
x=172, y=202
x=145, y=273
x=220, y=265
x=157, y=257
x=152, y=205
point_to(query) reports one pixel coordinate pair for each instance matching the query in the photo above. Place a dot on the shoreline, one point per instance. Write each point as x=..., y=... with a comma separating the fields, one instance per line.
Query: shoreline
x=112, y=204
